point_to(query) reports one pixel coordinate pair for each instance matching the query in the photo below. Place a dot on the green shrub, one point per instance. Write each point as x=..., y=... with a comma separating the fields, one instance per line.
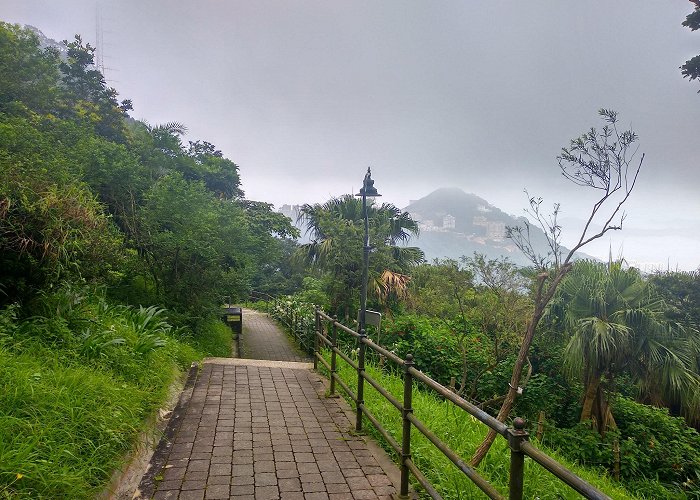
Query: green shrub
x=659, y=454
x=549, y=394
x=312, y=292
x=212, y=338
x=657, y=445
x=431, y=343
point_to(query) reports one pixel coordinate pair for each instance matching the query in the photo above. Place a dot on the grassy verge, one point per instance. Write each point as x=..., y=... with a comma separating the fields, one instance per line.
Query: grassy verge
x=215, y=340
x=77, y=385
x=463, y=434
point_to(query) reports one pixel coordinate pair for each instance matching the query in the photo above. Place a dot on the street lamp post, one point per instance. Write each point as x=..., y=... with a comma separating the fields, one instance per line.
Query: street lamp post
x=368, y=191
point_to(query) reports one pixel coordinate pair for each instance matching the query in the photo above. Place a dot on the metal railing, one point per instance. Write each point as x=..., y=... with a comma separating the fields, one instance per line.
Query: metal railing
x=517, y=436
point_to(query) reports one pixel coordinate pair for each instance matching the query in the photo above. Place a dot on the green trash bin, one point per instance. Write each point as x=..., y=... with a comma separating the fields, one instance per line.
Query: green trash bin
x=233, y=317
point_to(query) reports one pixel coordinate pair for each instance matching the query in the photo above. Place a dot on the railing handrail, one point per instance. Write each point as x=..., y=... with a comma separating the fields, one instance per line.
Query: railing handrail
x=254, y=294
x=517, y=437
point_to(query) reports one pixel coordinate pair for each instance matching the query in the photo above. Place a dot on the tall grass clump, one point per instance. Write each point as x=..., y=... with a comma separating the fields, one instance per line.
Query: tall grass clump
x=79, y=376
x=463, y=433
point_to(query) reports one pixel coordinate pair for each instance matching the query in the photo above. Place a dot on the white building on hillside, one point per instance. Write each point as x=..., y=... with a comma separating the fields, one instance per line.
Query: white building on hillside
x=448, y=222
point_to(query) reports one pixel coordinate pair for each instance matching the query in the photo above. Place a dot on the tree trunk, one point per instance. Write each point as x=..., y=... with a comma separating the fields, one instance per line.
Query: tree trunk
x=509, y=400
x=590, y=397
x=542, y=298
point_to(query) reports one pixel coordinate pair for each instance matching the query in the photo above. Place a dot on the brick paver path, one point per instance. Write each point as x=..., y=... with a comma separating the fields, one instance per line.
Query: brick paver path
x=263, y=339
x=260, y=429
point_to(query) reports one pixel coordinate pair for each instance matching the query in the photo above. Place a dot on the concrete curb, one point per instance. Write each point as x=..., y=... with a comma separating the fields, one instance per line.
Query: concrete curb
x=291, y=365
x=147, y=486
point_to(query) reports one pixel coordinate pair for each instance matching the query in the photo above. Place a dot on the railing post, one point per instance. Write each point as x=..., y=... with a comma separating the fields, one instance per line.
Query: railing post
x=317, y=332
x=406, y=434
x=516, y=436
x=361, y=347
x=334, y=345
x=293, y=321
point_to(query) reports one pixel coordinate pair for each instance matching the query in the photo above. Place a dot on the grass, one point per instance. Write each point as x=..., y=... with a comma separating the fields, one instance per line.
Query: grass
x=76, y=388
x=214, y=341
x=463, y=434
x=64, y=429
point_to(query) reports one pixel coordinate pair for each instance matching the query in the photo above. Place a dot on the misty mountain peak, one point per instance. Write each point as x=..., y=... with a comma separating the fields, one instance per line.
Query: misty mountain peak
x=454, y=202
x=450, y=196
x=454, y=223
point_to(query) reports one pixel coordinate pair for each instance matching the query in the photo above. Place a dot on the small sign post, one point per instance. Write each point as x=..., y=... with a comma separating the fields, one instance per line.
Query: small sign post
x=233, y=317
x=373, y=318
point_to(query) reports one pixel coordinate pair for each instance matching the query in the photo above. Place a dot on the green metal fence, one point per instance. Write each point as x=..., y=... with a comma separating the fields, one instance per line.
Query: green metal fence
x=314, y=330
x=516, y=436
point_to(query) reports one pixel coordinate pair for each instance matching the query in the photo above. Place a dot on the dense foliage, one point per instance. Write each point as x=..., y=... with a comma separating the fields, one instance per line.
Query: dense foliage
x=462, y=322
x=88, y=193
x=105, y=222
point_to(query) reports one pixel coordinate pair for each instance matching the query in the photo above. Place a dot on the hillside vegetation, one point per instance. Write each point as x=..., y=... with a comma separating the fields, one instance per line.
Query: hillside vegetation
x=118, y=241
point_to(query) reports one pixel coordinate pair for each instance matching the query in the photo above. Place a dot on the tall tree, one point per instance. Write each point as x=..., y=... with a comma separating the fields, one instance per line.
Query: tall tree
x=28, y=76
x=336, y=229
x=681, y=290
x=86, y=95
x=219, y=174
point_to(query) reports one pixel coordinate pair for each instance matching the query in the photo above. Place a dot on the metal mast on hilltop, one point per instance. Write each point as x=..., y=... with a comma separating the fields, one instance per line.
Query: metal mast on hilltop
x=99, y=41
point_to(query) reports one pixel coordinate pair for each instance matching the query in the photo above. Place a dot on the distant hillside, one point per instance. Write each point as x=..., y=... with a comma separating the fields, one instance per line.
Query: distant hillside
x=454, y=223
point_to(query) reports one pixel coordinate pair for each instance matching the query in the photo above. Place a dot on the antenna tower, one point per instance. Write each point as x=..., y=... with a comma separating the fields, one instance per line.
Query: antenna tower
x=99, y=41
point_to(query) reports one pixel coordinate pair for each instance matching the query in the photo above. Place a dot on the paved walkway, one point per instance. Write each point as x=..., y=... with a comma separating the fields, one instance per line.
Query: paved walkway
x=263, y=339
x=261, y=429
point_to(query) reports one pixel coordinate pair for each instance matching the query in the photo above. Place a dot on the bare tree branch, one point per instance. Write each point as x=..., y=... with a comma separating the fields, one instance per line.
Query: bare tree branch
x=601, y=160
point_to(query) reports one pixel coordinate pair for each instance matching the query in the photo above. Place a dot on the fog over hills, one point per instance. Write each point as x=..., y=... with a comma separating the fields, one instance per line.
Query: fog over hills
x=454, y=223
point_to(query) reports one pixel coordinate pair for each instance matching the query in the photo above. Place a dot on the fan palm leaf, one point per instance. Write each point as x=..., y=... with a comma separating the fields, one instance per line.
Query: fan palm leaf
x=617, y=325
x=336, y=228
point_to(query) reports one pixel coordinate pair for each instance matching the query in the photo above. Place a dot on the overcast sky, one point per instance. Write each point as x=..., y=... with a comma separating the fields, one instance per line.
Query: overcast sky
x=304, y=95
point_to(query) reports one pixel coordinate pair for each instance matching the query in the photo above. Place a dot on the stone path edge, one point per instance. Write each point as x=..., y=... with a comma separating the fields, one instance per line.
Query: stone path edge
x=292, y=365
x=147, y=486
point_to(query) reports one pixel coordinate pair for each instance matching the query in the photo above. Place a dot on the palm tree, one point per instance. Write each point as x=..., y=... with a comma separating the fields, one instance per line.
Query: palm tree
x=336, y=227
x=617, y=325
